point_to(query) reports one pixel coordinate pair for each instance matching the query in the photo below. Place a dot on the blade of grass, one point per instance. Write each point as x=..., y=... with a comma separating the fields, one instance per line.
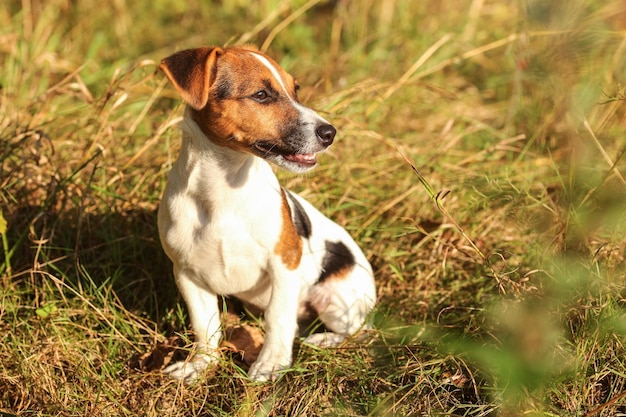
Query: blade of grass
x=408, y=74
x=286, y=22
x=437, y=197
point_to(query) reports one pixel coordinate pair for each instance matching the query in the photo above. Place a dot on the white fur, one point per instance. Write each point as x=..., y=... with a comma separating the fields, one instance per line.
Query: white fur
x=220, y=222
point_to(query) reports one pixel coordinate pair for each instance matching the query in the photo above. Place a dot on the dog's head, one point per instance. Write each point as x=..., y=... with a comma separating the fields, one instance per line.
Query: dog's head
x=244, y=100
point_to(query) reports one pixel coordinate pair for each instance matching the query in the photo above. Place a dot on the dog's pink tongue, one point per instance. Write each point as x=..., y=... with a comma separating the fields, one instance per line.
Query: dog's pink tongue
x=304, y=159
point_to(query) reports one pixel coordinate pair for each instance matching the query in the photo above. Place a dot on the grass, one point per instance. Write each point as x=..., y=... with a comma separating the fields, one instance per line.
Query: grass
x=479, y=162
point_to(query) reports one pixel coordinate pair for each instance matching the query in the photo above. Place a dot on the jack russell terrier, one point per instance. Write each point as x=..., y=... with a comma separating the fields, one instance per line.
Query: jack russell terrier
x=231, y=229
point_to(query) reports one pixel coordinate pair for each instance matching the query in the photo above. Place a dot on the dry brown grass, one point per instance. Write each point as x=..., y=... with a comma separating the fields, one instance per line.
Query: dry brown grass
x=499, y=257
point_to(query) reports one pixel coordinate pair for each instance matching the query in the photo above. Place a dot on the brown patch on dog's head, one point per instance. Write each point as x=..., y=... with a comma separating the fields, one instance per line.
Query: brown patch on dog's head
x=192, y=72
x=244, y=100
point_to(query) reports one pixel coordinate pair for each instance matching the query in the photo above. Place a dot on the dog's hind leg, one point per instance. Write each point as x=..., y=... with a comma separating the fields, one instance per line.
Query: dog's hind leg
x=342, y=307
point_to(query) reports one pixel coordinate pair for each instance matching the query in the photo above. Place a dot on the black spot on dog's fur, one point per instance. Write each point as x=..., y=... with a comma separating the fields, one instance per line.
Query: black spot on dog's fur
x=337, y=258
x=300, y=218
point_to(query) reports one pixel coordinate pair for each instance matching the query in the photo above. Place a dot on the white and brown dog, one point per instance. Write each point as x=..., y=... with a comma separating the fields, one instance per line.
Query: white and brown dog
x=231, y=229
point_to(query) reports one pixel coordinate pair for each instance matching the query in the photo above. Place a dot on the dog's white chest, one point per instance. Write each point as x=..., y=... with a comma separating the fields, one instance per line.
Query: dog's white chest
x=224, y=246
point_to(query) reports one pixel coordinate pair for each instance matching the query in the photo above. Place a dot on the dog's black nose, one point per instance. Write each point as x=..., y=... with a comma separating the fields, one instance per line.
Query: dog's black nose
x=326, y=134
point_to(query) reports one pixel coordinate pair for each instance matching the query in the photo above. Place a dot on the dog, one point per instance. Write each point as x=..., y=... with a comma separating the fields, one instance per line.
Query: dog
x=228, y=226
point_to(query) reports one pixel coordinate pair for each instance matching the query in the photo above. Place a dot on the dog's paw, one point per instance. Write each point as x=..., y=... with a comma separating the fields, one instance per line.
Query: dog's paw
x=189, y=371
x=325, y=339
x=263, y=371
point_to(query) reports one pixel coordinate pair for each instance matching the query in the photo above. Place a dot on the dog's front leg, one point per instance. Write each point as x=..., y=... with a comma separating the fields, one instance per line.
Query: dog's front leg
x=280, y=326
x=206, y=324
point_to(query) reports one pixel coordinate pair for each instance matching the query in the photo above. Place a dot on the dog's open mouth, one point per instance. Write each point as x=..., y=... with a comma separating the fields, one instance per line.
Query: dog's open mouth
x=268, y=150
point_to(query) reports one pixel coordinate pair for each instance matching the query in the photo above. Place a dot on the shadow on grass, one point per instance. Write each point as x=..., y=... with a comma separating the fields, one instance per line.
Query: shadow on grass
x=111, y=257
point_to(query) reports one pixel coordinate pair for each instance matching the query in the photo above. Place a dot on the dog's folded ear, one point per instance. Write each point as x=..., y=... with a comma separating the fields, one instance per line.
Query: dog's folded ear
x=192, y=72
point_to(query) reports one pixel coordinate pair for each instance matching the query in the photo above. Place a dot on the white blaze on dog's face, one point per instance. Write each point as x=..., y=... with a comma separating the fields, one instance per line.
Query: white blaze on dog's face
x=244, y=100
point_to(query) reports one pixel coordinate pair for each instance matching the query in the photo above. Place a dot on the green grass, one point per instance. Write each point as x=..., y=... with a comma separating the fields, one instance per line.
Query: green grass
x=479, y=163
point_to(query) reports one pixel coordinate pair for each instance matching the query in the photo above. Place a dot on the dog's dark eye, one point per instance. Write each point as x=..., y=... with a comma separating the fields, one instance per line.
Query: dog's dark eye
x=261, y=96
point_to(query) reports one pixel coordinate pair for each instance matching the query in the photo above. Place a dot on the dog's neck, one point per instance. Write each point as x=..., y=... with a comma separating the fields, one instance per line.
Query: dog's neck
x=212, y=169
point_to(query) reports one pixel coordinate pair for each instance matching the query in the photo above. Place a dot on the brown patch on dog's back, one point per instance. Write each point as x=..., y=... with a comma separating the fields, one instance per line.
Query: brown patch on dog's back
x=289, y=246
